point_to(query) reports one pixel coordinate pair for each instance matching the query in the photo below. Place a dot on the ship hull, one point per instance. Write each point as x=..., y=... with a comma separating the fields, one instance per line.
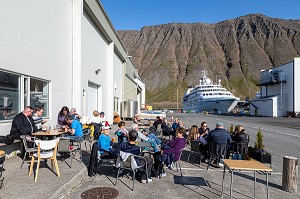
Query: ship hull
x=215, y=105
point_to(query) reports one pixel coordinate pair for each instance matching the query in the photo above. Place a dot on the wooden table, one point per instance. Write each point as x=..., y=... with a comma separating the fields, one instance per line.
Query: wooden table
x=52, y=132
x=246, y=165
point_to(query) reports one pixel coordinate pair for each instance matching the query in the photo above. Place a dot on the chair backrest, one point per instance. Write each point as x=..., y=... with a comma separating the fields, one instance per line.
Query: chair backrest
x=129, y=163
x=47, y=144
x=217, y=149
x=23, y=137
x=64, y=145
x=158, y=128
x=195, y=146
x=240, y=148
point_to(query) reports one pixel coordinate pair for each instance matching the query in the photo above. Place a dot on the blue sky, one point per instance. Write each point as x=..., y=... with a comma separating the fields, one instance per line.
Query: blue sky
x=134, y=14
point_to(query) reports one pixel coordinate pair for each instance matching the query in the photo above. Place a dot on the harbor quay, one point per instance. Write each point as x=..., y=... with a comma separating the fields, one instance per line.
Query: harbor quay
x=281, y=138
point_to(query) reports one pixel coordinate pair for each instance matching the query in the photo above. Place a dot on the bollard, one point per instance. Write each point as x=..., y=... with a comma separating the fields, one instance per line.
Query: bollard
x=290, y=174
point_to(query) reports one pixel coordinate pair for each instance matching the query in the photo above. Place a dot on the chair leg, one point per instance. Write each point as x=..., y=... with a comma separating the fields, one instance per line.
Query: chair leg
x=179, y=168
x=37, y=170
x=31, y=165
x=189, y=156
x=133, y=179
x=209, y=162
x=23, y=160
x=56, y=167
x=71, y=159
x=52, y=164
x=117, y=176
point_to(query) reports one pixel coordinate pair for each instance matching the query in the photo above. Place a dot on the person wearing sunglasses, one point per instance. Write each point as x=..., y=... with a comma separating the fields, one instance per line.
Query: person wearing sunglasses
x=204, y=130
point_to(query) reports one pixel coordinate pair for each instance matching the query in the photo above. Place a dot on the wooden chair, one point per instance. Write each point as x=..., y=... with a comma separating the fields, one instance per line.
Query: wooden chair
x=47, y=149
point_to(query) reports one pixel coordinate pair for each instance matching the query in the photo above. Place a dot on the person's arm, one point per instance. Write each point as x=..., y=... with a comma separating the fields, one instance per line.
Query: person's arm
x=178, y=146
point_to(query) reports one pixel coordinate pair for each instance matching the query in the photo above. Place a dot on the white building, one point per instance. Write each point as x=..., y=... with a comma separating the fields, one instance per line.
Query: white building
x=62, y=53
x=279, y=91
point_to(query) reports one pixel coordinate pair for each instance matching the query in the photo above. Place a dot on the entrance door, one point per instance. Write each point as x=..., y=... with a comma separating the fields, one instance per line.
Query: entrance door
x=94, y=99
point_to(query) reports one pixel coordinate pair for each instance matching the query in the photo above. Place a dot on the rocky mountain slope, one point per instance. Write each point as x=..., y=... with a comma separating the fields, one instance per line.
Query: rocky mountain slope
x=170, y=57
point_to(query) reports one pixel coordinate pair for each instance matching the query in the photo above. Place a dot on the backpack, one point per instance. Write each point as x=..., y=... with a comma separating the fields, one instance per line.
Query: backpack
x=9, y=139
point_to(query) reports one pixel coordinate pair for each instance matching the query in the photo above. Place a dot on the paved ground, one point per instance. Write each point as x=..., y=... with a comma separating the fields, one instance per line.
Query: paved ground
x=196, y=182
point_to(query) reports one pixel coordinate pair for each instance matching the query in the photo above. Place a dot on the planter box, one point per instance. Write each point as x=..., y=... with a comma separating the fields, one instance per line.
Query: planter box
x=263, y=158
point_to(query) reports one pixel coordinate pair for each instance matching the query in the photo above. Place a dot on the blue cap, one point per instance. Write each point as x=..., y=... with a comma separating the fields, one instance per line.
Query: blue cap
x=102, y=113
x=219, y=124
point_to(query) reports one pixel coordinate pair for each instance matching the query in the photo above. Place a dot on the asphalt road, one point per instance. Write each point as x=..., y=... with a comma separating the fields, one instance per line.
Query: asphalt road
x=281, y=135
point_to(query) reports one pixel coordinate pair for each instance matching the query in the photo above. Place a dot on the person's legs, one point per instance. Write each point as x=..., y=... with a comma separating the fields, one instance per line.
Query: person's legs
x=153, y=137
x=149, y=163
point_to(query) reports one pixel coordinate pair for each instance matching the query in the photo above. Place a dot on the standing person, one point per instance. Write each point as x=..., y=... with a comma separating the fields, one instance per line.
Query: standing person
x=219, y=136
x=75, y=128
x=62, y=114
x=75, y=115
x=23, y=124
x=38, y=119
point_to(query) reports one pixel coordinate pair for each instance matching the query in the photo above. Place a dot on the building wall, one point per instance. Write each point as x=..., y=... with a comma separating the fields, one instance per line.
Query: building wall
x=297, y=84
x=34, y=41
x=94, y=56
x=118, y=80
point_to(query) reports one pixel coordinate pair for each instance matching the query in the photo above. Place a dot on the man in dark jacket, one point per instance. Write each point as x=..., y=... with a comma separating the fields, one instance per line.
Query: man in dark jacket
x=23, y=124
x=219, y=136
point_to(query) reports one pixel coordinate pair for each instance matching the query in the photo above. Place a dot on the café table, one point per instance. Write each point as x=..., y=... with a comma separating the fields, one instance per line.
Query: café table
x=245, y=165
x=51, y=132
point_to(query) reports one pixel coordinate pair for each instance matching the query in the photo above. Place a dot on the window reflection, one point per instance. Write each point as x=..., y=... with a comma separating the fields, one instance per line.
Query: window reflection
x=39, y=94
x=9, y=95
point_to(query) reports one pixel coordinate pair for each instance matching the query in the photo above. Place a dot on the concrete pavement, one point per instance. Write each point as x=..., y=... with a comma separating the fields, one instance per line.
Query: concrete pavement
x=196, y=181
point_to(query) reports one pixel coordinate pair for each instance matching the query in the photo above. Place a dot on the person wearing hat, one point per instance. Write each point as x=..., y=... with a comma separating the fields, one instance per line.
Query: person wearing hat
x=105, y=143
x=219, y=136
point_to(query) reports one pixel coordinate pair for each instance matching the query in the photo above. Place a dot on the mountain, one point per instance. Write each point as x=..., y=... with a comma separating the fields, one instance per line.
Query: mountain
x=170, y=57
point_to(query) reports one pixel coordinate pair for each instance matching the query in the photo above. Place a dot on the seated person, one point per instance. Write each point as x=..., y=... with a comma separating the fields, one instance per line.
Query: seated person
x=147, y=138
x=173, y=149
x=97, y=122
x=38, y=119
x=193, y=134
x=240, y=135
x=137, y=119
x=102, y=118
x=75, y=129
x=104, y=142
x=131, y=147
x=62, y=114
x=175, y=124
x=122, y=133
x=75, y=115
x=166, y=127
x=203, y=130
x=23, y=124
x=157, y=122
x=219, y=136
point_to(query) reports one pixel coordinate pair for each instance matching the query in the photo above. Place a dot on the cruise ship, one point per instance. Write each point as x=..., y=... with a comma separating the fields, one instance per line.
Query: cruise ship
x=208, y=96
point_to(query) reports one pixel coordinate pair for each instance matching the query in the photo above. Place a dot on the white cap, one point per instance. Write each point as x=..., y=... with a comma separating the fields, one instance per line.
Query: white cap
x=106, y=127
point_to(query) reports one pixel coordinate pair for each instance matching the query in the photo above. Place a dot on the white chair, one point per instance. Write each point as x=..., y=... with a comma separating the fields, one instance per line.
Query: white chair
x=47, y=149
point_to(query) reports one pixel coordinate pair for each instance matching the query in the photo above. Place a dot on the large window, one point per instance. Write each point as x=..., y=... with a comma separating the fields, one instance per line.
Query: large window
x=9, y=95
x=39, y=94
x=18, y=91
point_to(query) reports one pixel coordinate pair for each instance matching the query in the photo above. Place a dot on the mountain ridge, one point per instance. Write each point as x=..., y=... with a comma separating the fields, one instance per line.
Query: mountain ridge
x=171, y=56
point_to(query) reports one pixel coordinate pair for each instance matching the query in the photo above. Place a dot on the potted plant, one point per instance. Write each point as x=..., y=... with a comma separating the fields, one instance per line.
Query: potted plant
x=258, y=152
